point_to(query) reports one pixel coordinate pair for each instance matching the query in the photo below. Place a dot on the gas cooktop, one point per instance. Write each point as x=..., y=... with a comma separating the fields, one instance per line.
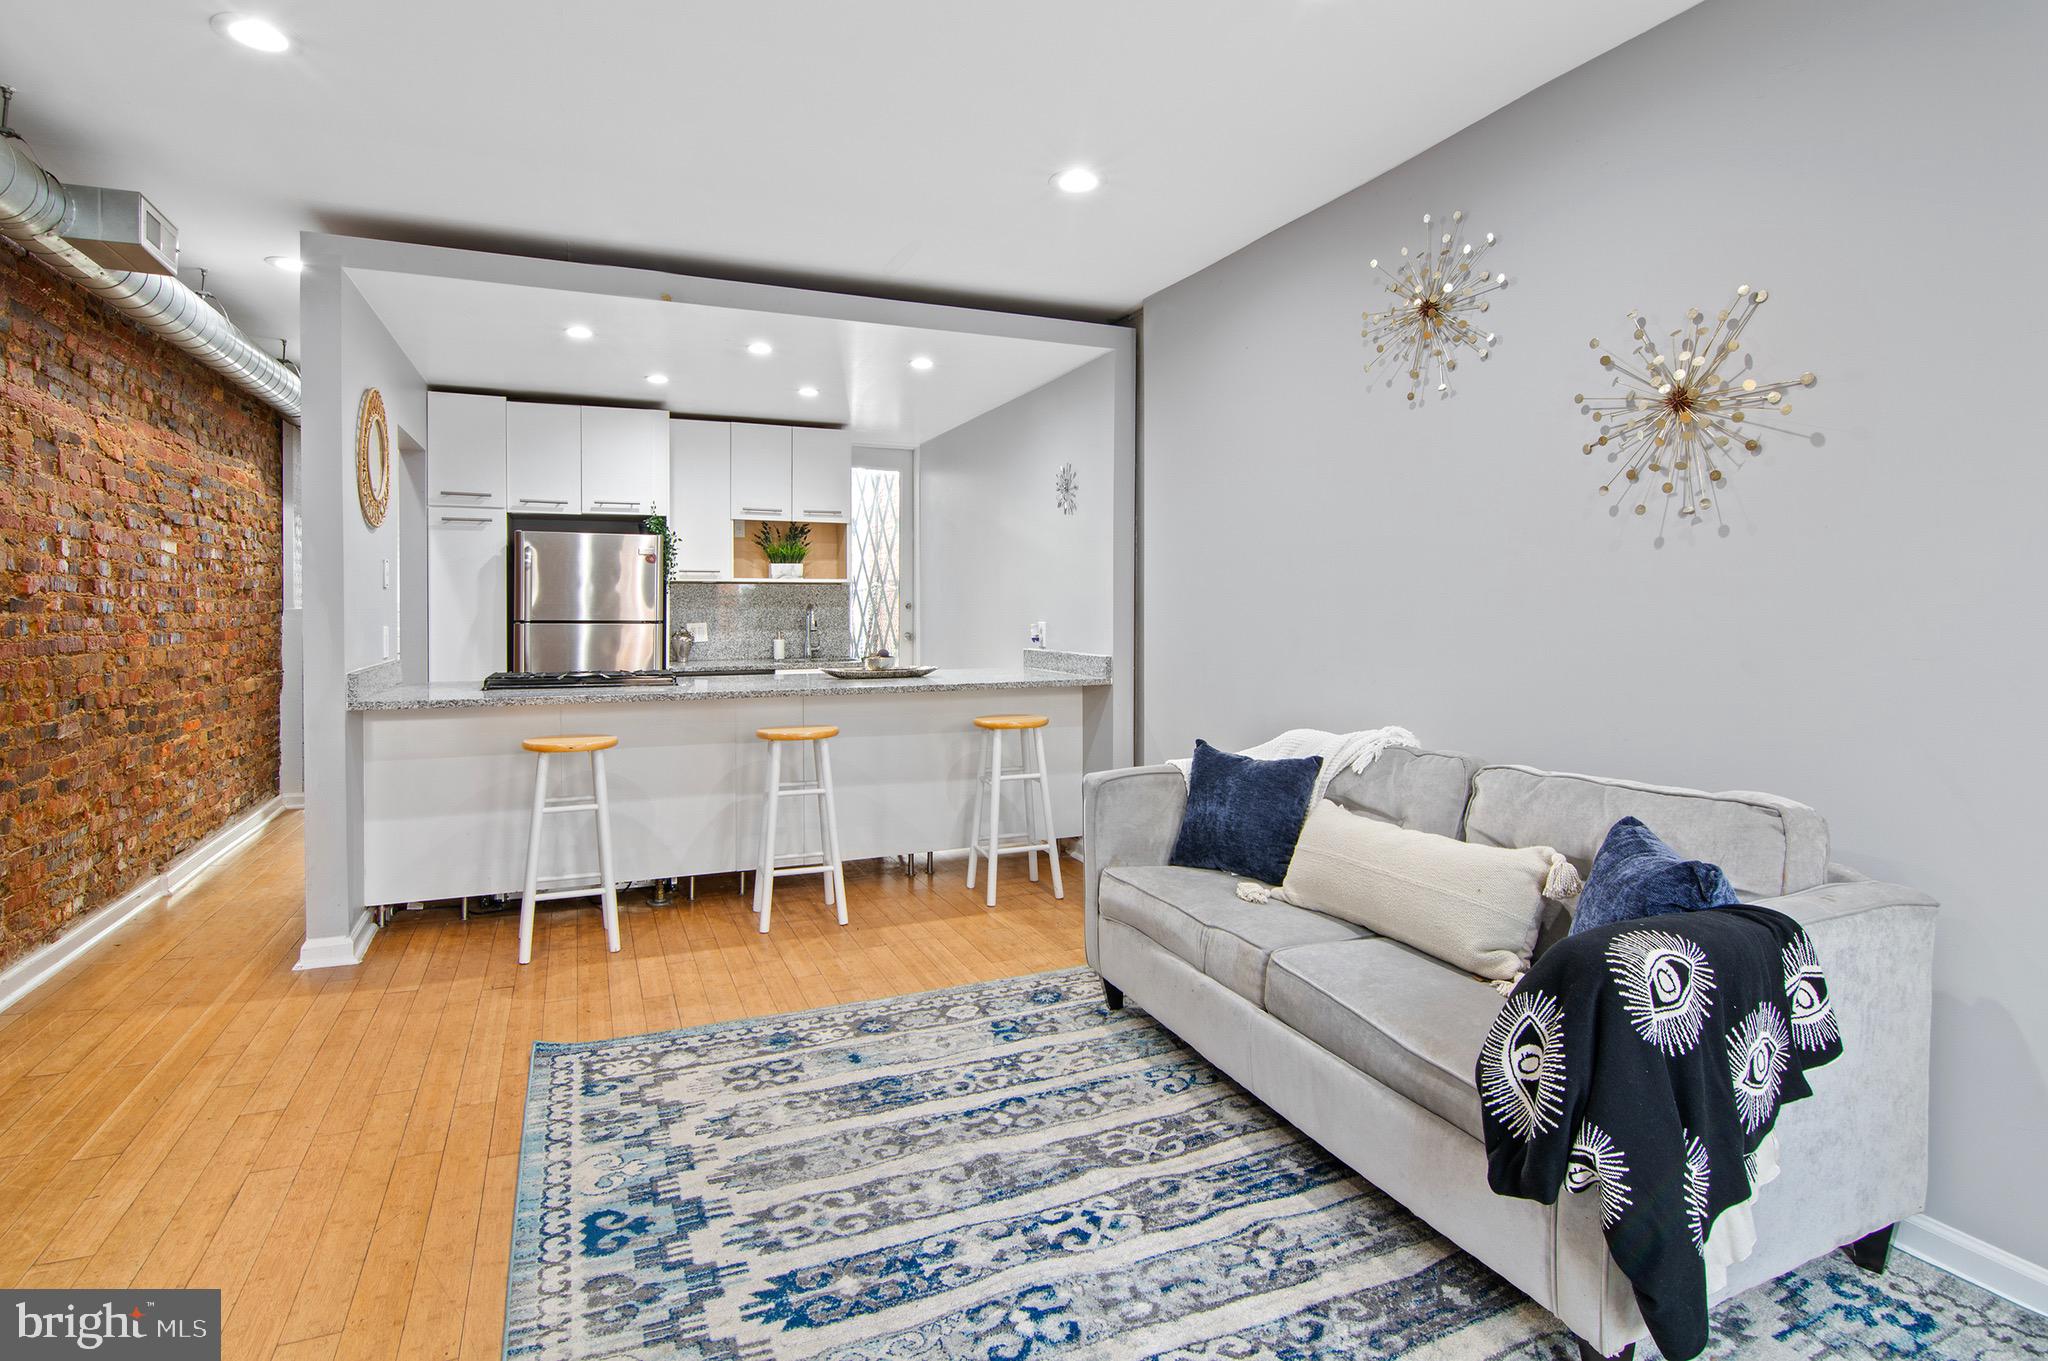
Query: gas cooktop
x=559, y=680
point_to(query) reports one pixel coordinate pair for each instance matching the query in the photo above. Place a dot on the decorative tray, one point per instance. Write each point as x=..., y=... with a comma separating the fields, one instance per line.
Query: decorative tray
x=892, y=673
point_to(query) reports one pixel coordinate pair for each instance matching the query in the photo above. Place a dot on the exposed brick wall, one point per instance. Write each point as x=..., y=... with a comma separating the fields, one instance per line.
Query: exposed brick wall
x=140, y=584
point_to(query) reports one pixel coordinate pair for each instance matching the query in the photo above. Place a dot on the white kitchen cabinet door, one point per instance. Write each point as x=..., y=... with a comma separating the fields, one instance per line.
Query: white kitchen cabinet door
x=465, y=450
x=700, y=497
x=544, y=458
x=466, y=594
x=625, y=461
x=820, y=474
x=760, y=472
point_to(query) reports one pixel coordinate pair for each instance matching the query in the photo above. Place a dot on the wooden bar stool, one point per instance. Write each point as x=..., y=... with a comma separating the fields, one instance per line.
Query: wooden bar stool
x=1030, y=730
x=596, y=745
x=828, y=819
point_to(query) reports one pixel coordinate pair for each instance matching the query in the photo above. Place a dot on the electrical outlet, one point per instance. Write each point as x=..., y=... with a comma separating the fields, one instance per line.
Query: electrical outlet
x=701, y=630
x=387, y=574
x=385, y=640
x=1038, y=634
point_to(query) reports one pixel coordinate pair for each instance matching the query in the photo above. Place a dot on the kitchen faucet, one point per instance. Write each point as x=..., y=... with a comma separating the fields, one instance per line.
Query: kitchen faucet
x=810, y=632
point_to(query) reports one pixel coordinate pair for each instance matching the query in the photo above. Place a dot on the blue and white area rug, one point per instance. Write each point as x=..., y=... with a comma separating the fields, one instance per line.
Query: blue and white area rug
x=1010, y=1171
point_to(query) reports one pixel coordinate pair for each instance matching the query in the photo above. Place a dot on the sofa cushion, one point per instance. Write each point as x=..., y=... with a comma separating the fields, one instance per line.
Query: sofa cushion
x=1197, y=915
x=1394, y=1014
x=1476, y=908
x=1766, y=845
x=1243, y=814
x=1424, y=791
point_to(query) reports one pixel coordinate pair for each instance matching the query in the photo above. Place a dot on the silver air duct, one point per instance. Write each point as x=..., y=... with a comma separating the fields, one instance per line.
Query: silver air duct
x=33, y=203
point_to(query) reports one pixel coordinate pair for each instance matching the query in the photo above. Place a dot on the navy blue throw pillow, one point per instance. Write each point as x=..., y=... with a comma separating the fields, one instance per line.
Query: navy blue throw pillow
x=1244, y=815
x=1637, y=875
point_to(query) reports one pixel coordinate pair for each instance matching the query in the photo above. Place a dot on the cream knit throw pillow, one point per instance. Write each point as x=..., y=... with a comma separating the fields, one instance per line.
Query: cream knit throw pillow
x=1477, y=908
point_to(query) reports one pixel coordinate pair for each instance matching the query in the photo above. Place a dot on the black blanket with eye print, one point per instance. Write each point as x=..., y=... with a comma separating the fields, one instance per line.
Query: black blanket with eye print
x=1646, y=1061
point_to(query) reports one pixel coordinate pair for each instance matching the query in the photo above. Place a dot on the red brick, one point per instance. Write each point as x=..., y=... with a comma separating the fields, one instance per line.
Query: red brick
x=140, y=701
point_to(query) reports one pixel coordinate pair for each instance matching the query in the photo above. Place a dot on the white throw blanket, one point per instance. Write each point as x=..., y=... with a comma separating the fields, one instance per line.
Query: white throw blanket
x=1352, y=751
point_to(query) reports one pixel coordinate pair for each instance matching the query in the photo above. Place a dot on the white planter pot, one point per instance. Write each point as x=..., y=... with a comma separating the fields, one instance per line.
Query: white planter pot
x=783, y=571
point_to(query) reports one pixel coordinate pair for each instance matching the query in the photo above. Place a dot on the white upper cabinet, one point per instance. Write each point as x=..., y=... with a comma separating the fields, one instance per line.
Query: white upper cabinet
x=700, y=497
x=625, y=460
x=760, y=472
x=820, y=474
x=465, y=450
x=544, y=458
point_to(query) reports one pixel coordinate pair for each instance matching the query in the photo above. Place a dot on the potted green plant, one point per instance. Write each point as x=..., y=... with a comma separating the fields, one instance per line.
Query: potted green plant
x=785, y=549
x=670, y=548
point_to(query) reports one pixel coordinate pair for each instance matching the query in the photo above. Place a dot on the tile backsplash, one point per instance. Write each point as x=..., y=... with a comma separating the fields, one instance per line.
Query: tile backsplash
x=745, y=617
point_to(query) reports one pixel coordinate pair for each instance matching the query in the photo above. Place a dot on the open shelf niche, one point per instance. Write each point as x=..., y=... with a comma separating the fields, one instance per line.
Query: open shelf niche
x=827, y=561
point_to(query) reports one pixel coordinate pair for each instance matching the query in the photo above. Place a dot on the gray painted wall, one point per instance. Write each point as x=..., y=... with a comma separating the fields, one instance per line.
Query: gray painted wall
x=998, y=554
x=347, y=607
x=1866, y=638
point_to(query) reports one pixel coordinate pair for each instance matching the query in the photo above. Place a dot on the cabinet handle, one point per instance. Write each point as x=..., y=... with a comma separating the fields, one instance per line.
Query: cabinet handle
x=634, y=504
x=824, y=512
x=465, y=519
x=446, y=492
x=543, y=501
x=762, y=510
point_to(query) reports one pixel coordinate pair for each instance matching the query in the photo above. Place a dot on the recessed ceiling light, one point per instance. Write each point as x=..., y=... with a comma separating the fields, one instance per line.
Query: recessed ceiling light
x=578, y=332
x=807, y=392
x=760, y=348
x=250, y=31
x=658, y=379
x=290, y=264
x=921, y=363
x=1077, y=179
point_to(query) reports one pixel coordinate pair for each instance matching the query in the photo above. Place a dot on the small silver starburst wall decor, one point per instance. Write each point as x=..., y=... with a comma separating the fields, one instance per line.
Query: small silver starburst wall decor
x=1066, y=489
x=1682, y=418
x=1435, y=298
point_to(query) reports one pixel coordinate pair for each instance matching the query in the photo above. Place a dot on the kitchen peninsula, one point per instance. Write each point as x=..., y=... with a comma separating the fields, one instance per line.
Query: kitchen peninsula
x=447, y=789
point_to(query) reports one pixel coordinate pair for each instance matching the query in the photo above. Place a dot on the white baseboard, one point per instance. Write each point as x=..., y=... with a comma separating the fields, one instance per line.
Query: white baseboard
x=297, y=800
x=337, y=952
x=37, y=967
x=2003, y=1273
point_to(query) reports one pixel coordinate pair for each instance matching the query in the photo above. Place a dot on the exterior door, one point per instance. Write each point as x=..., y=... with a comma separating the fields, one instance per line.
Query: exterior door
x=882, y=552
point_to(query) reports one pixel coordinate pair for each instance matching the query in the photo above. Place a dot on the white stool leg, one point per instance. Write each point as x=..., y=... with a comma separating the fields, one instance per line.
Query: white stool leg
x=604, y=854
x=974, y=842
x=837, y=874
x=764, y=878
x=824, y=831
x=540, y=799
x=995, y=808
x=1030, y=805
x=1052, y=856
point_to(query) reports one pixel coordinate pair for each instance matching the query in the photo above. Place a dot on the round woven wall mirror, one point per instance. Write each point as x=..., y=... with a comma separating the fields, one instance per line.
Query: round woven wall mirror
x=373, y=458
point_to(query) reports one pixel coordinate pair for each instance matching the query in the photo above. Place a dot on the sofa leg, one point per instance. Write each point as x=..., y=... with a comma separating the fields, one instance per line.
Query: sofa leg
x=1873, y=1250
x=1587, y=1352
x=1113, y=995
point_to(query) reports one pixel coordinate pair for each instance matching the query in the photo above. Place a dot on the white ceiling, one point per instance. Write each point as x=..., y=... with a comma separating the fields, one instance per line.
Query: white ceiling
x=462, y=333
x=900, y=145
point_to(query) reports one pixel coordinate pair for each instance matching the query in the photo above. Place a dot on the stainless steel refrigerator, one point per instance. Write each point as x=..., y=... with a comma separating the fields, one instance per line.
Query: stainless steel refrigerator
x=586, y=600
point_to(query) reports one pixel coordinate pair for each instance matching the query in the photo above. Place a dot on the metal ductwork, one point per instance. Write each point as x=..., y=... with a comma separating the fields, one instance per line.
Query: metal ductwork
x=33, y=204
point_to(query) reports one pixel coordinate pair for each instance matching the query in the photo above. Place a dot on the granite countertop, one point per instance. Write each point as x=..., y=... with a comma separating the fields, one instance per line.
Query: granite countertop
x=382, y=695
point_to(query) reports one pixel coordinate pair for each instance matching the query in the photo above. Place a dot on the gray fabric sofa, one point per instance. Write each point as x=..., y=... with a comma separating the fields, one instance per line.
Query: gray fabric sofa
x=1368, y=1046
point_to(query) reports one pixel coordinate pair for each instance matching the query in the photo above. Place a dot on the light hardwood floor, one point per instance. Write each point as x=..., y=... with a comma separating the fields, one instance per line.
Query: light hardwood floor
x=336, y=1151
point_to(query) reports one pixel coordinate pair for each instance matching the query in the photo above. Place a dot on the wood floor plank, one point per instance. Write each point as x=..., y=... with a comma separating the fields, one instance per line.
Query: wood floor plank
x=338, y=1151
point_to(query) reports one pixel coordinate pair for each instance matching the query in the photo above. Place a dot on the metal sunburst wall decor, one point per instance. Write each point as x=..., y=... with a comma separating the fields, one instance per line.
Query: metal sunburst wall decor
x=1438, y=293
x=1682, y=421
x=1066, y=489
